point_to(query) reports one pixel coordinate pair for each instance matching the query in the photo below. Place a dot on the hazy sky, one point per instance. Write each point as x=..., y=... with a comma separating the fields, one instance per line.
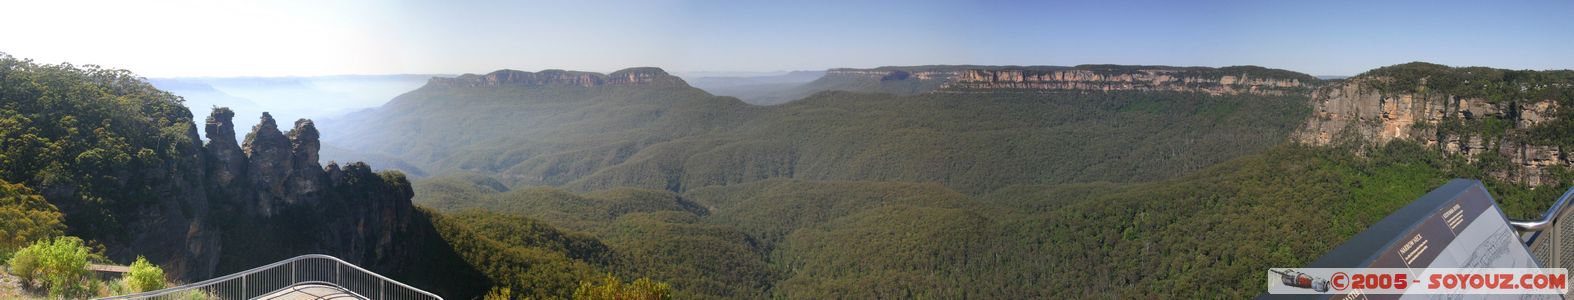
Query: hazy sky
x=276, y=38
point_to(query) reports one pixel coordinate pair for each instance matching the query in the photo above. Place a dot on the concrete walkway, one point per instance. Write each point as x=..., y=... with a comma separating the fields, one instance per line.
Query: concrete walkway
x=311, y=292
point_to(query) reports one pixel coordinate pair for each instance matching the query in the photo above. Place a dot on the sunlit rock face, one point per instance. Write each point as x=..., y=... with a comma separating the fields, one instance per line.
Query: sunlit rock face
x=1377, y=118
x=1155, y=79
x=1216, y=81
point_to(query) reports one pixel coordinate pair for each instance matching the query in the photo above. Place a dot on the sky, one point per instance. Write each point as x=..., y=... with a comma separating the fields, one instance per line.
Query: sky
x=324, y=37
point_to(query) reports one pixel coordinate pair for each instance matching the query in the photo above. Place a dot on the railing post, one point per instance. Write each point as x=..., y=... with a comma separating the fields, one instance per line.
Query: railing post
x=1557, y=243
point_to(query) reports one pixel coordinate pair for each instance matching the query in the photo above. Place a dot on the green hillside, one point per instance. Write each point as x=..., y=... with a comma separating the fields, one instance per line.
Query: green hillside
x=679, y=138
x=98, y=143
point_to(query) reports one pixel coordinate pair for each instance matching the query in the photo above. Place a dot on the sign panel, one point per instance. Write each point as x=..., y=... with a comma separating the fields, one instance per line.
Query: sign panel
x=1457, y=226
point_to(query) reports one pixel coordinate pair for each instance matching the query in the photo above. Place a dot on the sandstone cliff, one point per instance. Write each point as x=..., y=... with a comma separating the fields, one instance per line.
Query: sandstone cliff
x=964, y=79
x=1144, y=79
x=1472, y=127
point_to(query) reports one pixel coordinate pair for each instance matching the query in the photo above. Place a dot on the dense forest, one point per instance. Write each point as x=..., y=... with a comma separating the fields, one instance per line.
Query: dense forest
x=1205, y=234
x=93, y=141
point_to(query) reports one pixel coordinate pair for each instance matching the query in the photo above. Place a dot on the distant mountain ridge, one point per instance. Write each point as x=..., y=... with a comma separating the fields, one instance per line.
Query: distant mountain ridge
x=630, y=76
x=962, y=78
x=290, y=98
x=642, y=127
x=757, y=90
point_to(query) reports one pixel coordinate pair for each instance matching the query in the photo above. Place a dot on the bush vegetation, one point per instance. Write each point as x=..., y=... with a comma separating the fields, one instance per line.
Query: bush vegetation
x=144, y=276
x=1494, y=85
x=59, y=264
x=610, y=288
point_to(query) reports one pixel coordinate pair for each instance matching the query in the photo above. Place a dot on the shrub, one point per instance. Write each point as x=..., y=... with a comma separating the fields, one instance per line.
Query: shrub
x=24, y=264
x=61, y=263
x=144, y=276
x=613, y=289
x=498, y=293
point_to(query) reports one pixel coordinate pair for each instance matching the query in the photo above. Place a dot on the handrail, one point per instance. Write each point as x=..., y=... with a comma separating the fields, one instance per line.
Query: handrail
x=1547, y=218
x=328, y=269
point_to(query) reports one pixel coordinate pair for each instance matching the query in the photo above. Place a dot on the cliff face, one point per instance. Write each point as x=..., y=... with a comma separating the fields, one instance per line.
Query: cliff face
x=176, y=230
x=1354, y=108
x=962, y=79
x=267, y=199
x=1136, y=80
x=630, y=76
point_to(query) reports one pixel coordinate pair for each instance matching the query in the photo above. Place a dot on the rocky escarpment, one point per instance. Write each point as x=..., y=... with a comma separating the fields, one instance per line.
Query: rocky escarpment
x=276, y=200
x=240, y=205
x=1143, y=79
x=1355, y=111
x=644, y=76
x=962, y=79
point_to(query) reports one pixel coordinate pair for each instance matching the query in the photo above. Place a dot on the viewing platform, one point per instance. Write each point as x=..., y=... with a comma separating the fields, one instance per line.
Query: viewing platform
x=312, y=276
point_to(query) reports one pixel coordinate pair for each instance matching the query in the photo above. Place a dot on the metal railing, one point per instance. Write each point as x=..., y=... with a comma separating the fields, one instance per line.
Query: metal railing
x=1545, y=237
x=287, y=275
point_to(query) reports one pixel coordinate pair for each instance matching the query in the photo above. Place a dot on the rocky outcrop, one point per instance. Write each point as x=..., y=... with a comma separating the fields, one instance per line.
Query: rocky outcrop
x=646, y=76
x=268, y=152
x=378, y=211
x=1373, y=117
x=1378, y=117
x=276, y=200
x=306, y=180
x=226, y=163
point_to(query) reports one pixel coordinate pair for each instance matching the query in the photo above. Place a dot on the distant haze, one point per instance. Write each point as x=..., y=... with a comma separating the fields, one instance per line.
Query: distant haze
x=287, y=98
x=310, y=38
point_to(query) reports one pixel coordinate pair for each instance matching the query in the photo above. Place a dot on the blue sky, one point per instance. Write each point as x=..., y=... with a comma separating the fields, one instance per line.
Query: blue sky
x=278, y=38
